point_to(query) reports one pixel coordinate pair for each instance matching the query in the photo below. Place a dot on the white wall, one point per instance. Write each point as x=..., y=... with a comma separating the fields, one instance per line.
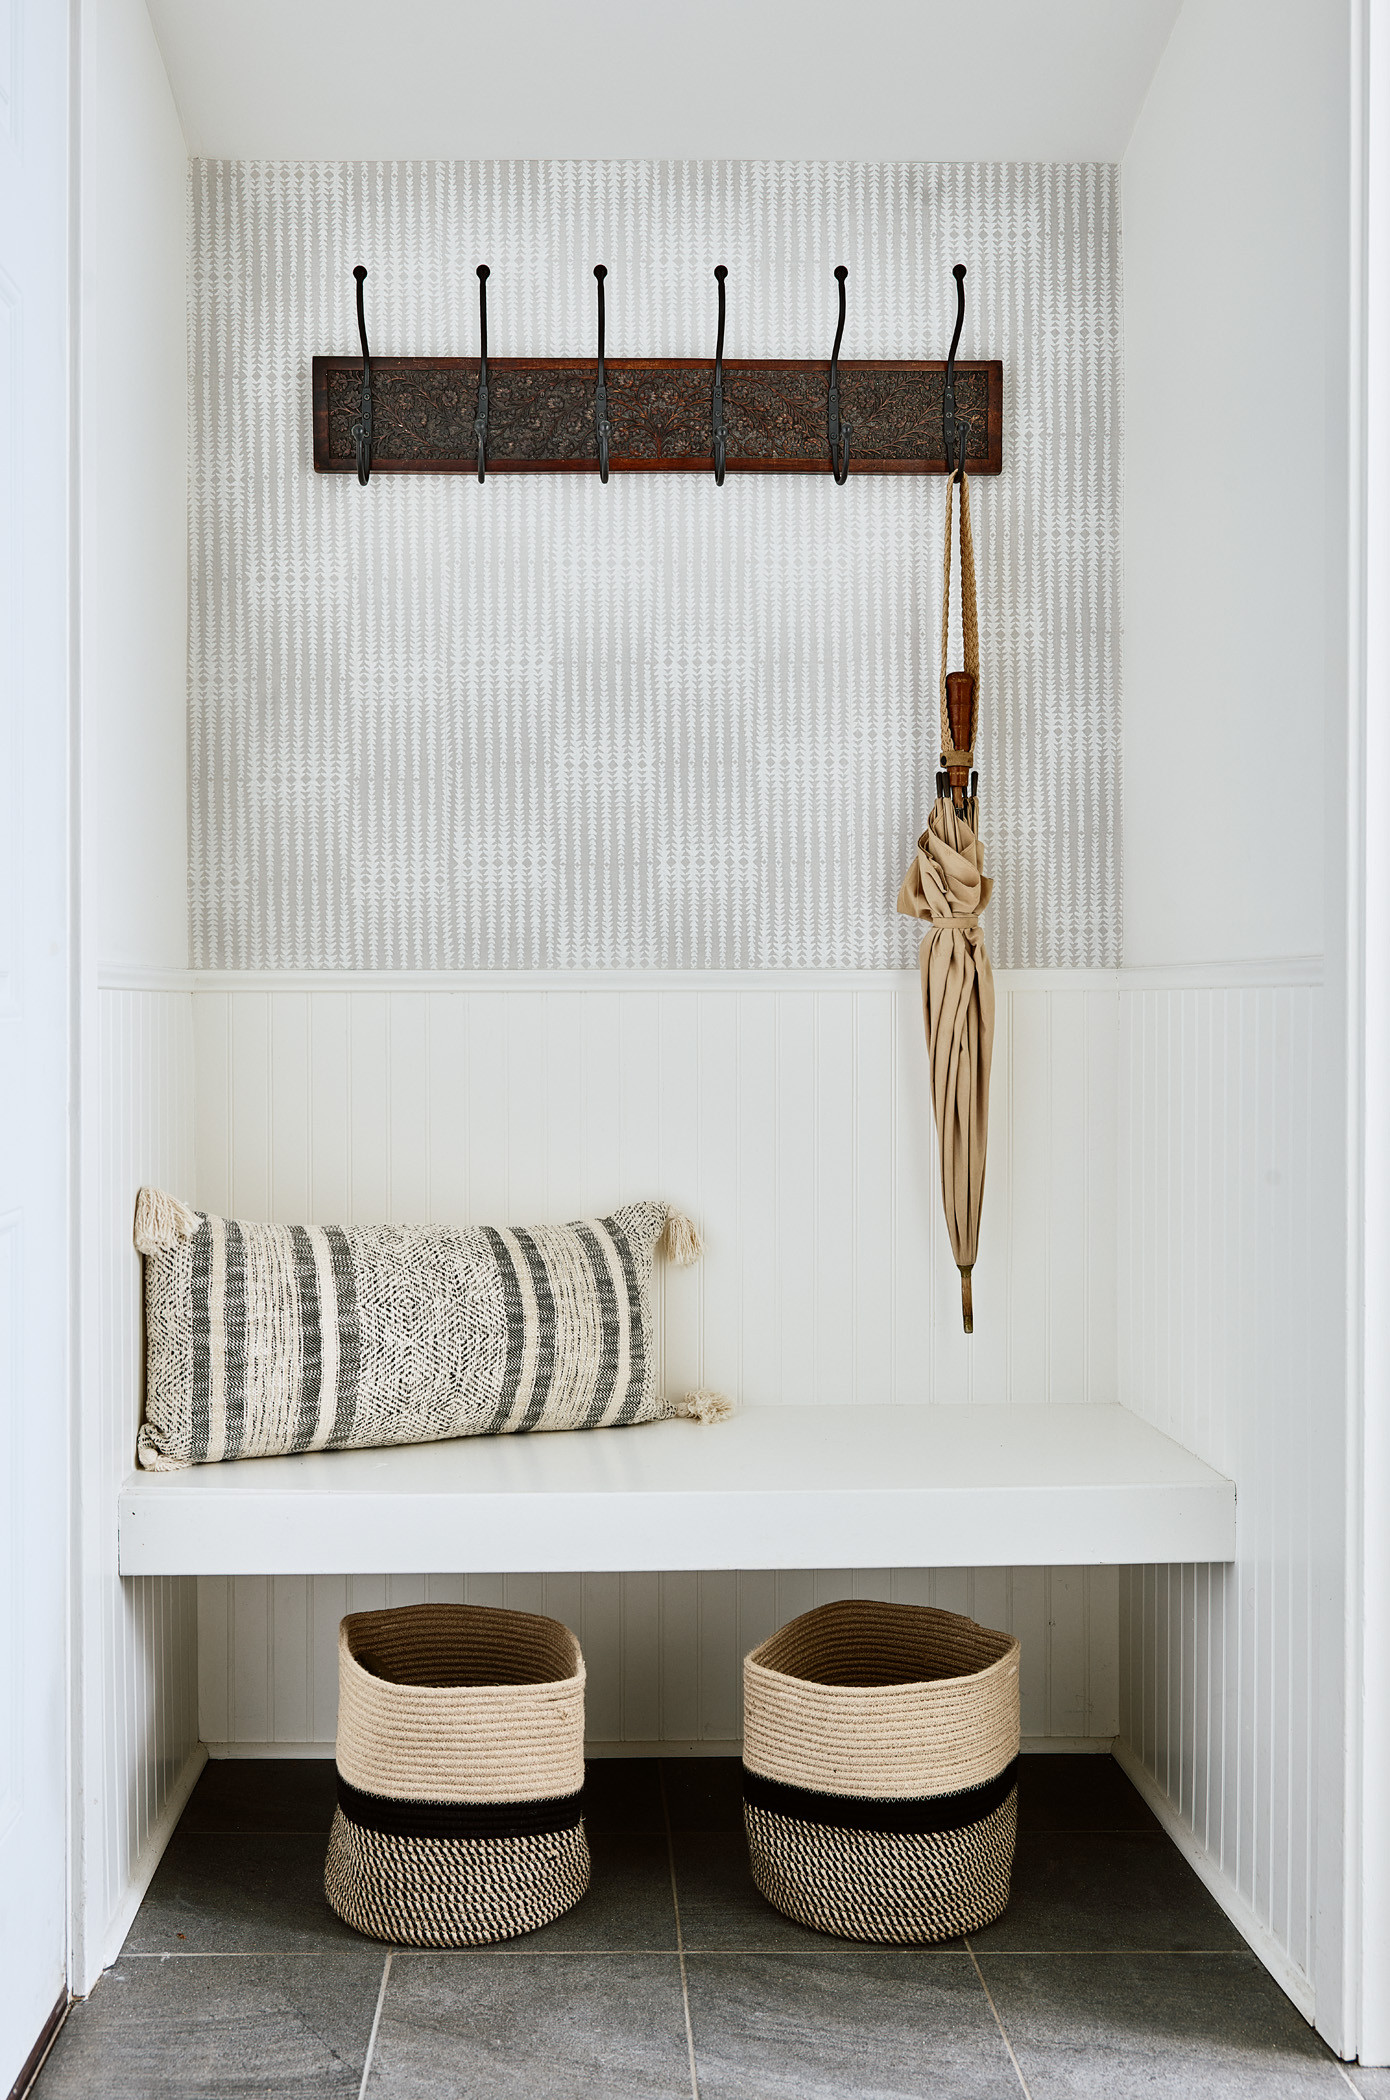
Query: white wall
x=1222, y=1303
x=134, y=515
x=137, y=1751
x=789, y=1113
x=258, y=80
x=135, y=1735
x=1233, y=197
x=664, y=1652
x=1236, y=240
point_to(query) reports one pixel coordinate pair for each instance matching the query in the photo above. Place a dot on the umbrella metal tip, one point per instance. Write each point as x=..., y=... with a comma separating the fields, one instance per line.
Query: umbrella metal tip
x=967, y=1310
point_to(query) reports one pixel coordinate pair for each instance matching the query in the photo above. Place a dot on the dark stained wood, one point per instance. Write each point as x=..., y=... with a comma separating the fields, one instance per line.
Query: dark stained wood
x=47, y=2035
x=541, y=415
x=960, y=702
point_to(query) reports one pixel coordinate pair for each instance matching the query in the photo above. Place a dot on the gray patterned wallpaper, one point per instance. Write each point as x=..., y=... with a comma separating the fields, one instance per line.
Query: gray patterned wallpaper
x=659, y=724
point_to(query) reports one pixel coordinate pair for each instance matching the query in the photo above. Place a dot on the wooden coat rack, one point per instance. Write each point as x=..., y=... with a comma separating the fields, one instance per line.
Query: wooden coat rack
x=460, y=415
x=541, y=415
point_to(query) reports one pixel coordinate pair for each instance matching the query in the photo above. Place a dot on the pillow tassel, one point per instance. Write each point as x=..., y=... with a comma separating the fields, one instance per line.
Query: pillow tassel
x=161, y=1221
x=703, y=1407
x=681, y=1242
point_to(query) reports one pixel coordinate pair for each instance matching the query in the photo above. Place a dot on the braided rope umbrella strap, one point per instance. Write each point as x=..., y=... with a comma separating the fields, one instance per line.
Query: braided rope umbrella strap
x=969, y=620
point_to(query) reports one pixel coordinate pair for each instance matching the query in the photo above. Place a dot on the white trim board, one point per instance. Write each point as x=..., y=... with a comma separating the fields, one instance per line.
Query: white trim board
x=1272, y=972
x=1290, y=1979
x=689, y=982
x=151, y=1853
x=120, y=977
x=730, y=1746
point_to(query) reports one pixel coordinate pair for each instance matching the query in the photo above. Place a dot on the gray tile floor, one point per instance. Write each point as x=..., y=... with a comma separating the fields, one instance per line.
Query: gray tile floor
x=1111, y=1974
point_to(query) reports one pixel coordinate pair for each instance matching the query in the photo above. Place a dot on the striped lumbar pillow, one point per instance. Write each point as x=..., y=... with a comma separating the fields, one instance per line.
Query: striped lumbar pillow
x=276, y=1338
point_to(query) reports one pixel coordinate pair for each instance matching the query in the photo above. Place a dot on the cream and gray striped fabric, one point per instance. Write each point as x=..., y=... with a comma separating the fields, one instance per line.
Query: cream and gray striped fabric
x=280, y=1338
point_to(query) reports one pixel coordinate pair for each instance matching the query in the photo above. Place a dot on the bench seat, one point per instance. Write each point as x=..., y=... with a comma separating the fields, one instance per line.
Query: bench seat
x=775, y=1487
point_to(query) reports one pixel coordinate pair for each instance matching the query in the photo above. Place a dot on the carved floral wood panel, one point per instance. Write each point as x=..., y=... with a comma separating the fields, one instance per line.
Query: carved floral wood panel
x=541, y=415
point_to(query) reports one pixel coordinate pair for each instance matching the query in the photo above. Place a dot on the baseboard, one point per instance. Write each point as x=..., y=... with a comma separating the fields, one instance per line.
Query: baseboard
x=715, y=1747
x=151, y=1852
x=1289, y=1977
x=1030, y=1746
x=217, y=1750
x=38, y=2055
x=671, y=1749
x=1066, y=1745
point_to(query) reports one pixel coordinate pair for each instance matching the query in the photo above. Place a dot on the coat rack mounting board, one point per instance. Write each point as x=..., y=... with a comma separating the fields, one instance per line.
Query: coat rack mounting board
x=541, y=415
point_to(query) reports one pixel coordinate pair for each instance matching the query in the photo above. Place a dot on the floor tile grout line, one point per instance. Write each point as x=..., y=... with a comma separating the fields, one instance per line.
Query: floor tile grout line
x=376, y=2024
x=680, y=1937
x=1003, y=2031
x=1349, y=2079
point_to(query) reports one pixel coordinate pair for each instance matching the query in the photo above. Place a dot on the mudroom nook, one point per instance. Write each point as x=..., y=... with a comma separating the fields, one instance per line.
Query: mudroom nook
x=691, y=1006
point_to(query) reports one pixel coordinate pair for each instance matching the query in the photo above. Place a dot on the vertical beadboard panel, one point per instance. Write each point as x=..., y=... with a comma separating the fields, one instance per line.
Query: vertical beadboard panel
x=1220, y=1311
x=143, y=1703
x=663, y=1651
x=658, y=724
x=794, y=1124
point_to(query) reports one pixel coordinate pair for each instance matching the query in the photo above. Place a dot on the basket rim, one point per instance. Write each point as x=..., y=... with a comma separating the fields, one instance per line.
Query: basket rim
x=1007, y=1657
x=473, y=1692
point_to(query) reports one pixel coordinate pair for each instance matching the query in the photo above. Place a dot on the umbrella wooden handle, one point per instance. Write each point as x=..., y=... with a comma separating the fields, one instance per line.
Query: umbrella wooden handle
x=967, y=1308
x=960, y=708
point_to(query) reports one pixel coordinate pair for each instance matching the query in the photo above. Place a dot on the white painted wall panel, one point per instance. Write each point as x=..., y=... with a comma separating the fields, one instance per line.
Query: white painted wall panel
x=1235, y=626
x=550, y=724
x=139, y=1649
x=134, y=1711
x=262, y=82
x=791, y=1117
x=133, y=512
x=664, y=1652
x=1223, y=1308
x=794, y=1124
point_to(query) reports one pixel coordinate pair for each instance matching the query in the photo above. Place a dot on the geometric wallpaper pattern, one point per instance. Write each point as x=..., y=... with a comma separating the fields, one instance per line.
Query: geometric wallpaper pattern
x=544, y=723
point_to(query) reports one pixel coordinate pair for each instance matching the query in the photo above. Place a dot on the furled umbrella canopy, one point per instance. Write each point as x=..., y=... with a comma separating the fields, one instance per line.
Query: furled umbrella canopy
x=946, y=888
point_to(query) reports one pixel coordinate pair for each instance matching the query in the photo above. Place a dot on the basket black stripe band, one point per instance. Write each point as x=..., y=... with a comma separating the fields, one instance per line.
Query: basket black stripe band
x=857, y=1812
x=458, y=1819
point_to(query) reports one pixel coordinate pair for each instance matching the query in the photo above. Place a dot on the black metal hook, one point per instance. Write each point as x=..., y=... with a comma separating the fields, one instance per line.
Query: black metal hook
x=480, y=412
x=603, y=429
x=955, y=429
x=838, y=432
x=361, y=431
x=721, y=435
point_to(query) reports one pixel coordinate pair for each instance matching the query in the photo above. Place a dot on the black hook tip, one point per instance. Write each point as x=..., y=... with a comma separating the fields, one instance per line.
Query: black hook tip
x=959, y=273
x=360, y=273
x=842, y=273
x=720, y=272
x=483, y=273
x=600, y=271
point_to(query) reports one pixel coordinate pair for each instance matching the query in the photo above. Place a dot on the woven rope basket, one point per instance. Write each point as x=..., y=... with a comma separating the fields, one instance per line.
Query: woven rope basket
x=460, y=1775
x=880, y=1751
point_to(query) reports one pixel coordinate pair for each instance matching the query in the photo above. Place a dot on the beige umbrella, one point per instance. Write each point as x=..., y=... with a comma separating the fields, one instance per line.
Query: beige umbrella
x=947, y=890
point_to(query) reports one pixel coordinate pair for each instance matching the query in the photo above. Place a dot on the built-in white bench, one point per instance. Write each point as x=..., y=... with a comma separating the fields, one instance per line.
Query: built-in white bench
x=775, y=1487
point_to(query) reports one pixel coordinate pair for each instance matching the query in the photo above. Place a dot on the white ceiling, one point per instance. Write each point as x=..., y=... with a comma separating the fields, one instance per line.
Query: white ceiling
x=661, y=79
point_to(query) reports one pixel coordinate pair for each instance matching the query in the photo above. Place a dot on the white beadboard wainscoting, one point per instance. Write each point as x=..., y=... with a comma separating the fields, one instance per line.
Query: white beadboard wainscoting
x=138, y=1751
x=1146, y=1237
x=664, y=1653
x=1221, y=1304
x=788, y=1112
